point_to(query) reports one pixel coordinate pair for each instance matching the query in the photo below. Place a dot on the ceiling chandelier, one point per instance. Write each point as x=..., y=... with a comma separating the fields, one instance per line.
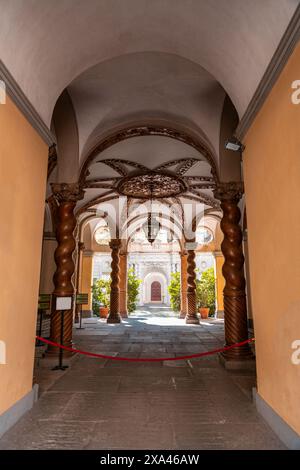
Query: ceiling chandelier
x=152, y=226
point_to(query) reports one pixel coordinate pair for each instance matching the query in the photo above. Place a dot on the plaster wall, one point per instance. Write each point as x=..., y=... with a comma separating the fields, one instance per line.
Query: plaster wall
x=23, y=171
x=271, y=172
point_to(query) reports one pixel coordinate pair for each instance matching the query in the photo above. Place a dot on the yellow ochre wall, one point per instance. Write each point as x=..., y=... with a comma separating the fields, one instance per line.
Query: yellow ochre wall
x=23, y=169
x=86, y=279
x=272, y=188
x=220, y=281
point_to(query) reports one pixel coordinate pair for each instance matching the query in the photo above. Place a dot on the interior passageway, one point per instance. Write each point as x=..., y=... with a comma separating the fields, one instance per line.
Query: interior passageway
x=104, y=404
x=150, y=161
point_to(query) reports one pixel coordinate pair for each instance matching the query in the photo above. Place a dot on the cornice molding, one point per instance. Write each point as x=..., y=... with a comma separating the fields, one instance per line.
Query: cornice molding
x=283, y=52
x=24, y=105
x=218, y=254
x=88, y=253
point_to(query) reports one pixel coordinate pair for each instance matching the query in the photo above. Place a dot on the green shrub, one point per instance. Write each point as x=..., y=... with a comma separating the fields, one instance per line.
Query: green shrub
x=174, y=291
x=133, y=287
x=205, y=290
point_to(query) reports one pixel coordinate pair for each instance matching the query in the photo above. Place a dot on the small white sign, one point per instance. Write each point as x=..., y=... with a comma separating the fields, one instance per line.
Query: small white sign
x=2, y=92
x=63, y=303
x=2, y=352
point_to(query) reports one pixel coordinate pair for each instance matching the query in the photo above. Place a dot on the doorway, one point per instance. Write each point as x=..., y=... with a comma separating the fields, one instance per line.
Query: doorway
x=156, y=291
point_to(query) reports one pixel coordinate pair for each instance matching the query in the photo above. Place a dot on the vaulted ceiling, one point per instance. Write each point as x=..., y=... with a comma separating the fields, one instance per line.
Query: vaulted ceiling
x=94, y=67
x=47, y=44
x=145, y=86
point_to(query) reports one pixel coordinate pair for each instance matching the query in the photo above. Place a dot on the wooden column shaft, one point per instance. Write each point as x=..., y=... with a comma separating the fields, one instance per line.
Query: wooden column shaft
x=235, y=308
x=114, y=314
x=66, y=196
x=183, y=286
x=123, y=285
x=192, y=316
x=80, y=249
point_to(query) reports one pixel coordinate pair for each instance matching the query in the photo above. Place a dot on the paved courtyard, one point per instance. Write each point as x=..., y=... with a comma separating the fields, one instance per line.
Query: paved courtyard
x=104, y=404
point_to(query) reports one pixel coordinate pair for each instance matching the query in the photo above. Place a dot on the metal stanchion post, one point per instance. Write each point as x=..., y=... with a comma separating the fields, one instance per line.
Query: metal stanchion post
x=40, y=312
x=60, y=365
x=80, y=320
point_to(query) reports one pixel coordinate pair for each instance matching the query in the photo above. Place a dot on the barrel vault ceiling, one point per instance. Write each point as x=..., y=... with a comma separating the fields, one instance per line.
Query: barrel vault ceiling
x=90, y=67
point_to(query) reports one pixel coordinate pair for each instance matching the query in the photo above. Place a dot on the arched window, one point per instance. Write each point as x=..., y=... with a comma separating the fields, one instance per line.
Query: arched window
x=102, y=233
x=204, y=235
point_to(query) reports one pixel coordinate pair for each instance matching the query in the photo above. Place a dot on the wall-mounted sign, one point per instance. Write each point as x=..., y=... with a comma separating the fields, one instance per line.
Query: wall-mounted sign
x=82, y=299
x=44, y=302
x=64, y=303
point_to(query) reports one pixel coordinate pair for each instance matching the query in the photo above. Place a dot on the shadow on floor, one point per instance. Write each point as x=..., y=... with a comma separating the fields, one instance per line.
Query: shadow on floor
x=105, y=404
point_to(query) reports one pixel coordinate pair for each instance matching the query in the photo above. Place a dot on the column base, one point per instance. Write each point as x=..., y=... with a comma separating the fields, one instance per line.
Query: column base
x=192, y=320
x=182, y=315
x=116, y=318
x=124, y=315
x=246, y=363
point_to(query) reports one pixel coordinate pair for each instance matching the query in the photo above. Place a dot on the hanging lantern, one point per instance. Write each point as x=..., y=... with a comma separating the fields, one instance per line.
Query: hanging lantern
x=170, y=237
x=151, y=228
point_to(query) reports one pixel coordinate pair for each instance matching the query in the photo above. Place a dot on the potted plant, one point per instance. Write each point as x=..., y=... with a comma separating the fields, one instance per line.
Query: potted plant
x=101, y=297
x=205, y=291
x=202, y=300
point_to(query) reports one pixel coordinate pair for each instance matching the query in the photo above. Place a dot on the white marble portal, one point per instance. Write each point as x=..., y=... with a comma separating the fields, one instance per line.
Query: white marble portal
x=150, y=267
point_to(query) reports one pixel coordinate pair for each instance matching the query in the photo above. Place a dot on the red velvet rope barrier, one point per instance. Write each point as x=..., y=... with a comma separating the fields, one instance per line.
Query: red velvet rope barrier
x=146, y=359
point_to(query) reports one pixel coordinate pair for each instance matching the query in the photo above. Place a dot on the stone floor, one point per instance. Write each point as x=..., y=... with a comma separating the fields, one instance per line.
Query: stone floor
x=105, y=404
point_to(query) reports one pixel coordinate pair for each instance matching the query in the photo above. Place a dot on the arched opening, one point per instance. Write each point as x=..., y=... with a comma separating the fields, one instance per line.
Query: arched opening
x=118, y=111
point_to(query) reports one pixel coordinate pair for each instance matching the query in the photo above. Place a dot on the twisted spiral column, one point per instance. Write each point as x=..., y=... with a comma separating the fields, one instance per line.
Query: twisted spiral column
x=80, y=248
x=191, y=317
x=114, y=314
x=235, y=307
x=66, y=195
x=123, y=285
x=183, y=290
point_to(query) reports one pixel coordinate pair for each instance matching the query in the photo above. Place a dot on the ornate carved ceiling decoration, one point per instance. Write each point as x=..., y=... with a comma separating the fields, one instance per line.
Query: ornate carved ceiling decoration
x=151, y=184
x=175, y=180
x=139, y=183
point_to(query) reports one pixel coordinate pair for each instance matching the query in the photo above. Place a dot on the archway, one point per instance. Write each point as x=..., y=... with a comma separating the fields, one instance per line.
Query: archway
x=155, y=288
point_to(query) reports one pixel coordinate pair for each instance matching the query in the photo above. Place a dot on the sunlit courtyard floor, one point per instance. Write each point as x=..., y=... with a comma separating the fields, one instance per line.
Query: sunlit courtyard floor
x=105, y=404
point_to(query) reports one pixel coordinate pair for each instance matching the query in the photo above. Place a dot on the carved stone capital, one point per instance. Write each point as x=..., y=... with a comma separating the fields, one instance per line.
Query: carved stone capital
x=115, y=244
x=67, y=192
x=229, y=191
